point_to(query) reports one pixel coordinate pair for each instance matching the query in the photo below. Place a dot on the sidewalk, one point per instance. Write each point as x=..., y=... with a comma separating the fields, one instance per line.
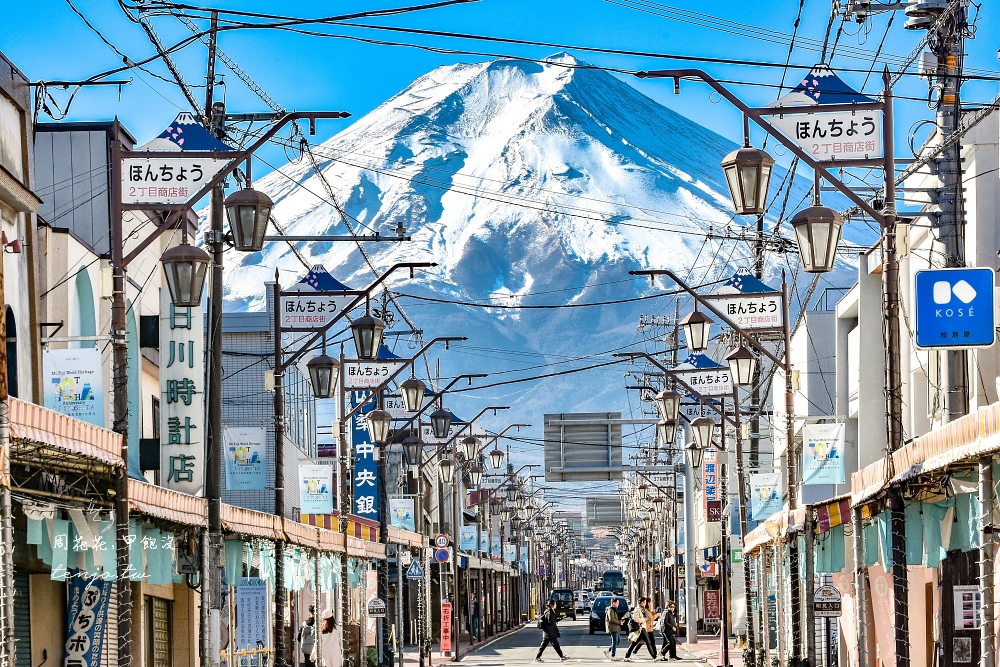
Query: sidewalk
x=709, y=649
x=411, y=657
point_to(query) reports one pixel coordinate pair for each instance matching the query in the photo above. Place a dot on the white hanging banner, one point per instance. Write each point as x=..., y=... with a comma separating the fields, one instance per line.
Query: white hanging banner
x=75, y=384
x=823, y=453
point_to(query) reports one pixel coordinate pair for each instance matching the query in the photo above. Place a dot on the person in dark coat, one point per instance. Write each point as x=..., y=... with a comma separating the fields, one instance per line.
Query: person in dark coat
x=670, y=628
x=550, y=631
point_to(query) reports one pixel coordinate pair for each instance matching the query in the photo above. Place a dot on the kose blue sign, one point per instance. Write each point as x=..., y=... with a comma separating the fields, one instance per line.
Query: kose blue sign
x=955, y=308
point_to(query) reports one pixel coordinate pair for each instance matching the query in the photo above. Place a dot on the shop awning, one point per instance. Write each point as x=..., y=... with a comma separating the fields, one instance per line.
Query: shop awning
x=971, y=437
x=359, y=548
x=301, y=534
x=405, y=537
x=163, y=503
x=48, y=435
x=252, y=523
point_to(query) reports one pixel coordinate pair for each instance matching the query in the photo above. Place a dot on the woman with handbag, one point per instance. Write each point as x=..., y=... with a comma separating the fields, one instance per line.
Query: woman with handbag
x=638, y=635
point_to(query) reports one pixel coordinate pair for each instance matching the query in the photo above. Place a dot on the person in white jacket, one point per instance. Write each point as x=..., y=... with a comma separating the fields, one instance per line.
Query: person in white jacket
x=332, y=639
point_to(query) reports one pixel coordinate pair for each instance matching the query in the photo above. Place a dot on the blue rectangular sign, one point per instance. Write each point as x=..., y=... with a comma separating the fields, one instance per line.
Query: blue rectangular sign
x=954, y=308
x=366, y=480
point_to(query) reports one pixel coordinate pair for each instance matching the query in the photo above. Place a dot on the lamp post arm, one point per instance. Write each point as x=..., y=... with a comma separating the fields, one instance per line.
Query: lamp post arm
x=708, y=304
x=496, y=438
x=439, y=394
x=408, y=364
x=755, y=115
x=295, y=356
x=482, y=412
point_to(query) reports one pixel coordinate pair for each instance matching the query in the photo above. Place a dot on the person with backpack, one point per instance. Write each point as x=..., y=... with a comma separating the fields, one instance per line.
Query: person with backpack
x=637, y=629
x=307, y=638
x=550, y=631
x=668, y=626
x=613, y=625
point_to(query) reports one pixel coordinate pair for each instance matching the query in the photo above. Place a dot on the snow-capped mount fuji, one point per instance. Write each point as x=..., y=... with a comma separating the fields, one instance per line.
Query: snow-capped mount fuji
x=527, y=184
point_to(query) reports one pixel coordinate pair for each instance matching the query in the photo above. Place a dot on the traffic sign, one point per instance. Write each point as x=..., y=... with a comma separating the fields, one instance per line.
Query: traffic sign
x=415, y=571
x=826, y=602
x=955, y=308
x=441, y=541
x=442, y=555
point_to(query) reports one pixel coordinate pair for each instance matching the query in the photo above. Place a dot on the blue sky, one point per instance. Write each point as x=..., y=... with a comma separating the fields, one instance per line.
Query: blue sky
x=48, y=41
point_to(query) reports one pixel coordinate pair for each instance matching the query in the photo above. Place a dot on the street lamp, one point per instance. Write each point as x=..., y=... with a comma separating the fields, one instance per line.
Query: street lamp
x=748, y=173
x=522, y=502
x=441, y=422
x=667, y=431
x=379, y=422
x=817, y=230
x=367, y=331
x=668, y=402
x=697, y=326
x=248, y=211
x=695, y=451
x=505, y=514
x=496, y=458
x=411, y=449
x=184, y=267
x=703, y=429
x=643, y=490
x=742, y=365
x=470, y=447
x=511, y=493
x=413, y=394
x=659, y=502
x=323, y=370
x=475, y=476
x=446, y=468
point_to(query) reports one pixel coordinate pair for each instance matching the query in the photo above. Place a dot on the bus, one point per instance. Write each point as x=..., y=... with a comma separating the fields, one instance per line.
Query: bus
x=614, y=581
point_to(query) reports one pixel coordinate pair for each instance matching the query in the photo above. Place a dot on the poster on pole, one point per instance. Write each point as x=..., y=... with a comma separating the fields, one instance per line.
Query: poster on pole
x=401, y=513
x=316, y=489
x=823, y=453
x=968, y=607
x=87, y=613
x=246, y=465
x=766, y=498
x=251, y=613
x=510, y=552
x=713, y=605
x=75, y=385
x=445, y=627
x=467, y=538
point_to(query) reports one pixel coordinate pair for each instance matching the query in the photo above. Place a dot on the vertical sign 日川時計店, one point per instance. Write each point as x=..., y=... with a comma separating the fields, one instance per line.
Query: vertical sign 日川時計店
x=366, y=482
x=182, y=397
x=955, y=308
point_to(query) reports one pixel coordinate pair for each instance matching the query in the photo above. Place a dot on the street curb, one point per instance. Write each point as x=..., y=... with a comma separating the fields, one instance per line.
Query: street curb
x=492, y=641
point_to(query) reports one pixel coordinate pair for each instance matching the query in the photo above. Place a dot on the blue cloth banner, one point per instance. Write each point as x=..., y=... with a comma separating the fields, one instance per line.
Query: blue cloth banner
x=467, y=538
x=495, y=547
x=87, y=616
x=766, y=498
x=60, y=549
x=366, y=481
x=823, y=454
x=246, y=463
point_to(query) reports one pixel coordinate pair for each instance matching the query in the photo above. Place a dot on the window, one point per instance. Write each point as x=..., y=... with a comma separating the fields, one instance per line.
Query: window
x=156, y=418
x=157, y=631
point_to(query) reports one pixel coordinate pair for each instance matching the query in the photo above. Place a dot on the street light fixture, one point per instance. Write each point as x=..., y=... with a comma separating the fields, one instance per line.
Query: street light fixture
x=185, y=266
x=470, y=447
x=446, y=468
x=413, y=394
x=697, y=326
x=643, y=490
x=475, y=476
x=667, y=431
x=496, y=458
x=412, y=447
x=248, y=211
x=505, y=514
x=668, y=402
x=511, y=493
x=323, y=370
x=441, y=422
x=522, y=502
x=703, y=429
x=748, y=174
x=742, y=365
x=367, y=331
x=659, y=502
x=817, y=230
x=379, y=422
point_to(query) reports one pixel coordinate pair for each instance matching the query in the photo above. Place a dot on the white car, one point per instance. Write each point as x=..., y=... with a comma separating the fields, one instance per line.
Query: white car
x=582, y=601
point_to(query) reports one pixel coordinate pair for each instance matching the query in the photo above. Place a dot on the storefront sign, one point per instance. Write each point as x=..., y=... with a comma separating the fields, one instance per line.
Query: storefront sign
x=826, y=602
x=823, y=453
x=182, y=397
x=401, y=513
x=316, y=489
x=713, y=604
x=445, y=627
x=88, y=617
x=752, y=311
x=766, y=498
x=710, y=479
x=366, y=481
x=246, y=467
x=251, y=613
x=75, y=385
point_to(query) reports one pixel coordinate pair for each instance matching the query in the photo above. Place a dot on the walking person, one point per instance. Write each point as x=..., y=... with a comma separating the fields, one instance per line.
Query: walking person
x=333, y=646
x=307, y=638
x=669, y=628
x=652, y=619
x=550, y=631
x=613, y=625
x=637, y=630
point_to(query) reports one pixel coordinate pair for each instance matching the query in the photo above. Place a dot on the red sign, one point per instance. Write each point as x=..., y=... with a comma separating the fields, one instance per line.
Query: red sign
x=713, y=604
x=445, y=626
x=713, y=510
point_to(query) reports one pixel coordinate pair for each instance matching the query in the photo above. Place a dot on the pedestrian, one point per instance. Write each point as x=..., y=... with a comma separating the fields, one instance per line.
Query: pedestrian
x=652, y=617
x=613, y=624
x=475, y=618
x=307, y=638
x=669, y=628
x=637, y=630
x=550, y=631
x=333, y=646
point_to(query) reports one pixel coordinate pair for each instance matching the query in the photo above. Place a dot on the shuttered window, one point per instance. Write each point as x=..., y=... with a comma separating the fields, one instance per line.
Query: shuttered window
x=157, y=631
x=22, y=620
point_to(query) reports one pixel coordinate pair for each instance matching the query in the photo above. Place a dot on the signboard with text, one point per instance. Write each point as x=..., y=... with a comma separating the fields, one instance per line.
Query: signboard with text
x=88, y=603
x=954, y=308
x=308, y=310
x=366, y=482
x=713, y=604
x=368, y=374
x=246, y=464
x=826, y=602
x=316, y=489
x=752, y=311
x=710, y=480
x=834, y=135
x=75, y=385
x=251, y=612
x=182, y=397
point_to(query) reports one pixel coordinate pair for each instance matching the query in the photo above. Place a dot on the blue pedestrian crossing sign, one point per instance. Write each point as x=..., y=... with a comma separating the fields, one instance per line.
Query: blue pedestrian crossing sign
x=415, y=572
x=955, y=308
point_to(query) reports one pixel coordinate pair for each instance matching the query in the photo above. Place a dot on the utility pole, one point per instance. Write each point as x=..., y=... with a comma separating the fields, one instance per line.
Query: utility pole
x=211, y=603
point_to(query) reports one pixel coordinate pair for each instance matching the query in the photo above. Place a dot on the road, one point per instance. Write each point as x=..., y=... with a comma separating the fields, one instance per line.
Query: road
x=579, y=646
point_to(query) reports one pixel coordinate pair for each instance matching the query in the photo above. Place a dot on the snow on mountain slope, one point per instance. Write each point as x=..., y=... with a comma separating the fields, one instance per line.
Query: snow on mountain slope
x=526, y=184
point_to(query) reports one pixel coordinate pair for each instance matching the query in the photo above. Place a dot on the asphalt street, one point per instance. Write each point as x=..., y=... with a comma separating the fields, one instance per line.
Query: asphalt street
x=579, y=646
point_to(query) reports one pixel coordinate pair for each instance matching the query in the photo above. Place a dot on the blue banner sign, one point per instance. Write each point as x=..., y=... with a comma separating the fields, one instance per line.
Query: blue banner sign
x=954, y=308
x=87, y=616
x=366, y=481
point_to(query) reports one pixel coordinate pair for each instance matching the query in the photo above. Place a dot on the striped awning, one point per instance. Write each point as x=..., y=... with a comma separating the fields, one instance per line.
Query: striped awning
x=252, y=523
x=33, y=424
x=163, y=503
x=400, y=536
x=301, y=534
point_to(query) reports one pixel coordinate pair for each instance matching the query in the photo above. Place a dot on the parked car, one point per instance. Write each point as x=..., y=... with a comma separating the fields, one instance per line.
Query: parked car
x=564, y=602
x=582, y=601
x=599, y=608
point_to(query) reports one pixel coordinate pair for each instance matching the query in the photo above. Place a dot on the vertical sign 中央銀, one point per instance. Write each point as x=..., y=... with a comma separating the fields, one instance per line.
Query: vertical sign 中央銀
x=182, y=397
x=366, y=482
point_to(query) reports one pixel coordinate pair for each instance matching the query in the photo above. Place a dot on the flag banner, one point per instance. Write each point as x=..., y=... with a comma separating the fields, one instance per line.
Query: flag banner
x=316, y=489
x=766, y=498
x=401, y=513
x=823, y=453
x=246, y=465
